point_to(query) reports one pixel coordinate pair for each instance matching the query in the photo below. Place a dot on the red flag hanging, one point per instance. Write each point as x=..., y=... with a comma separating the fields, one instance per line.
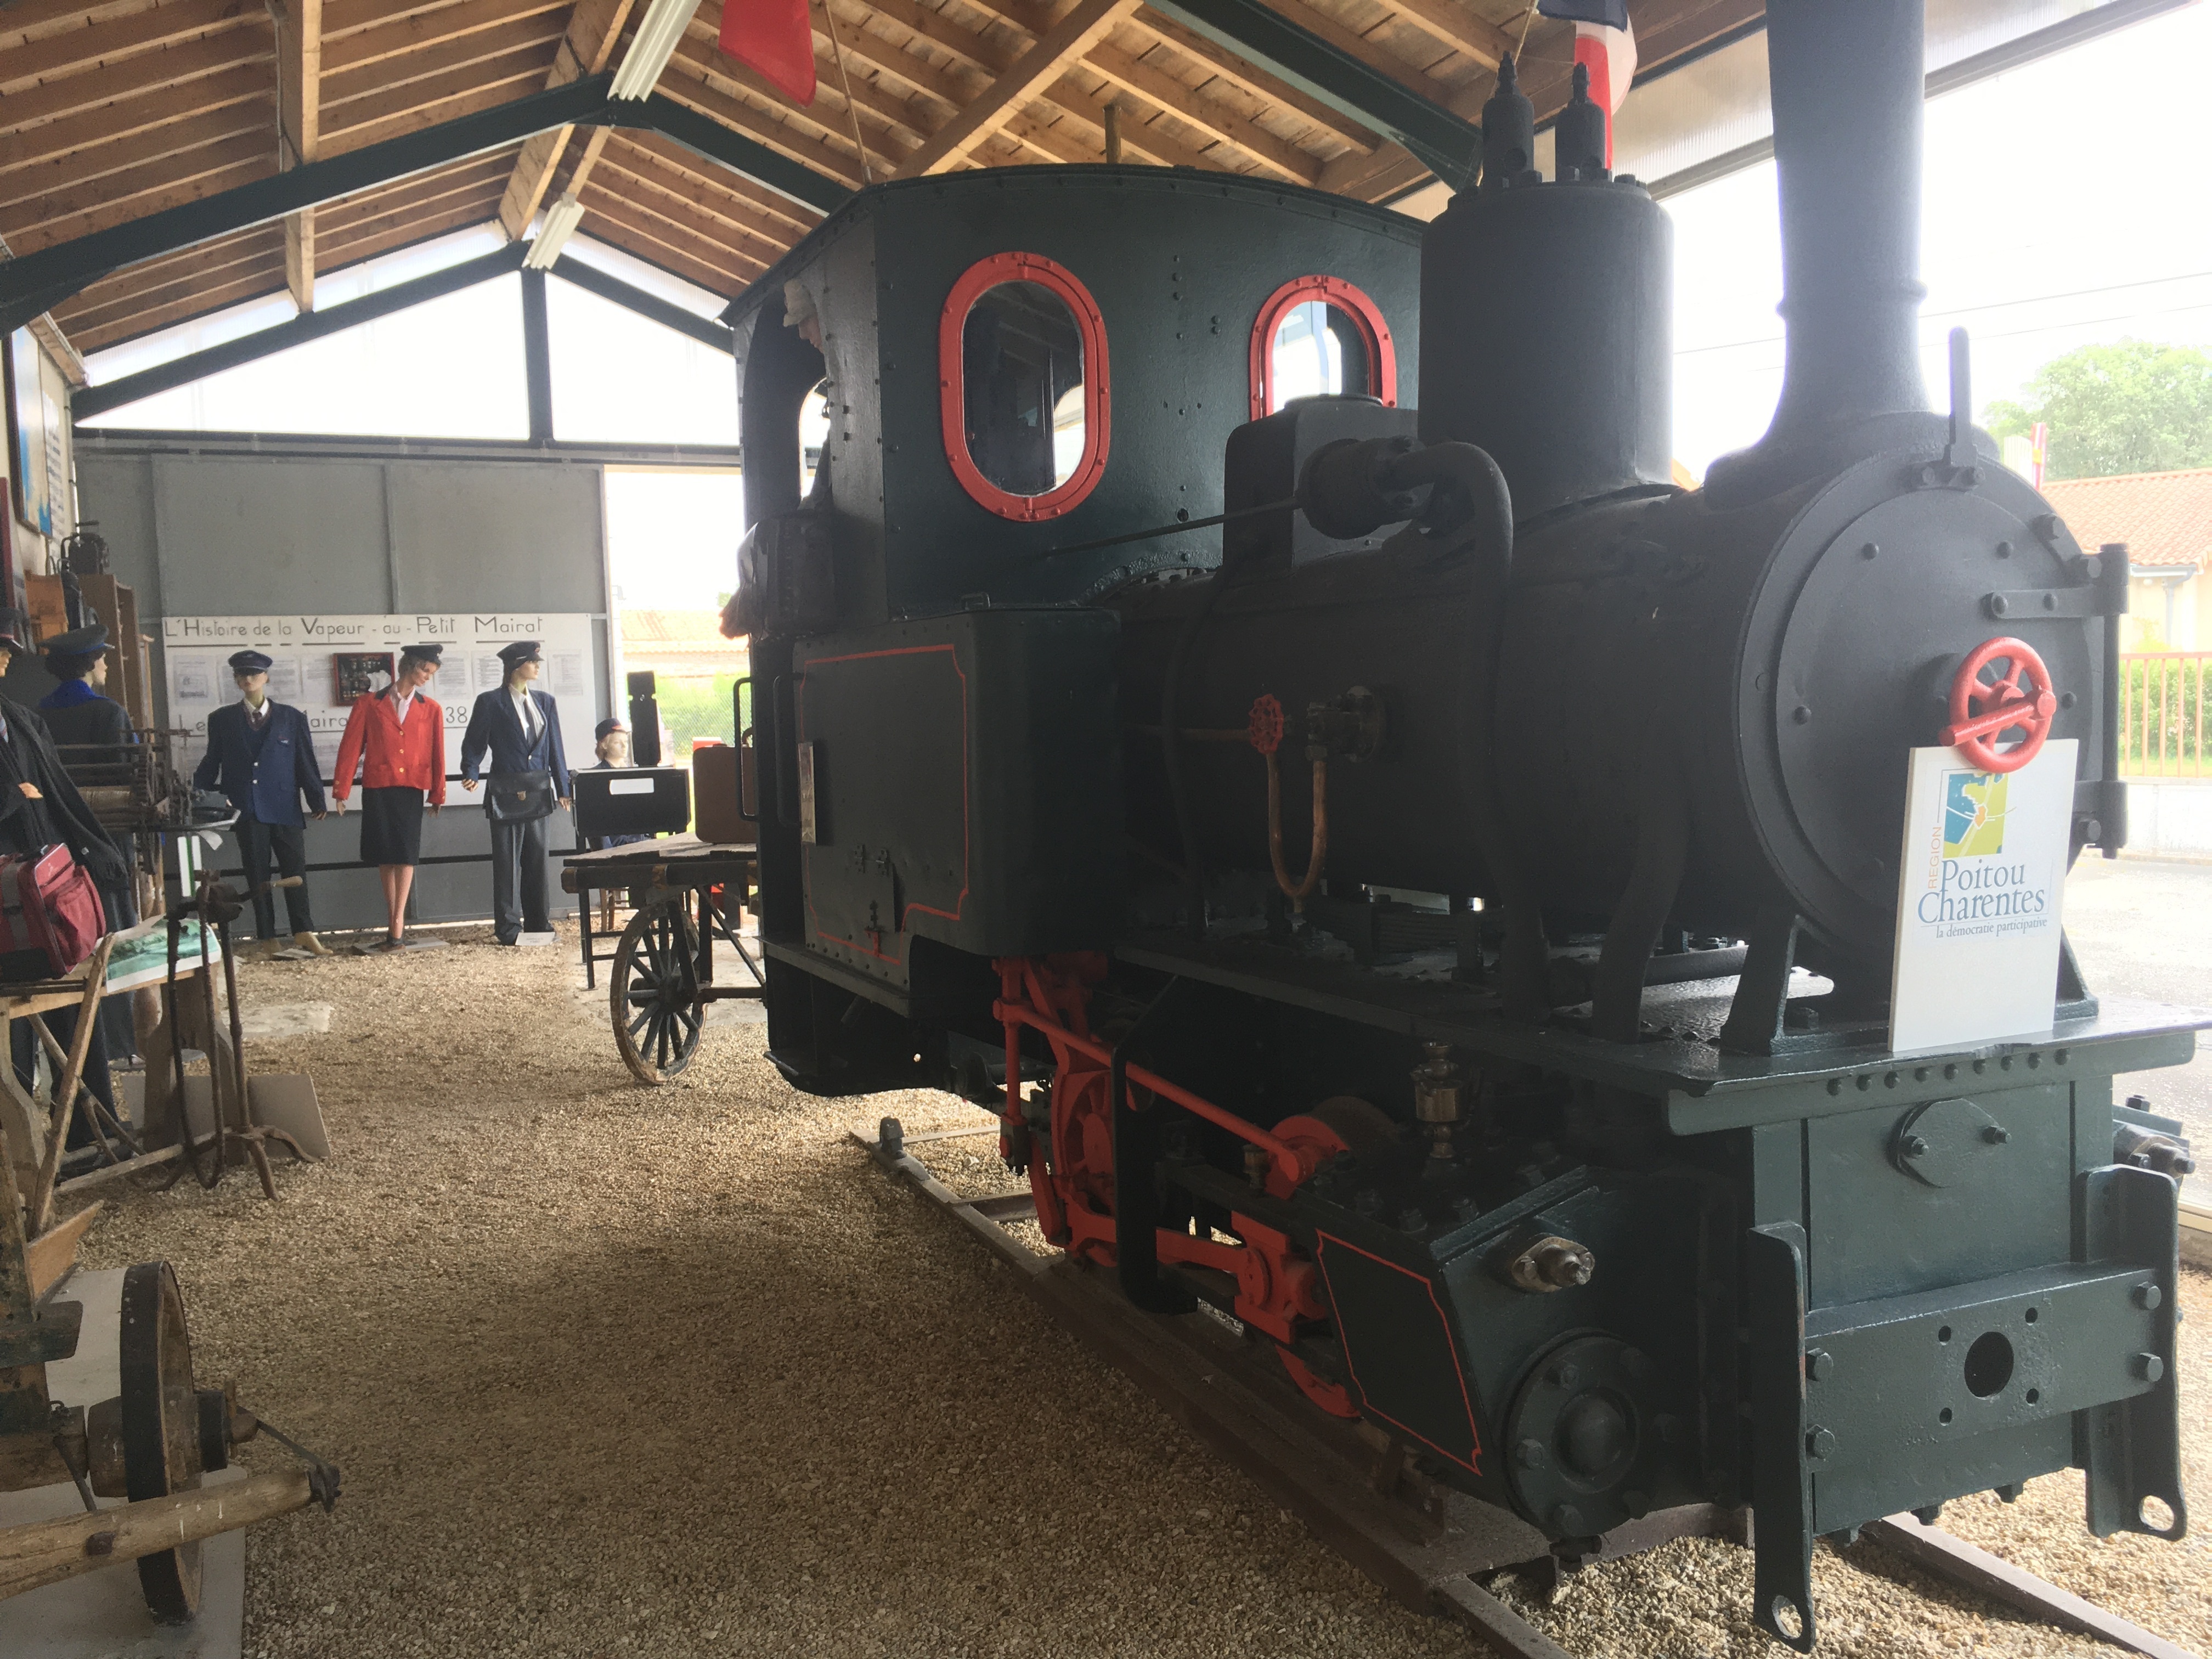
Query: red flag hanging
x=775, y=37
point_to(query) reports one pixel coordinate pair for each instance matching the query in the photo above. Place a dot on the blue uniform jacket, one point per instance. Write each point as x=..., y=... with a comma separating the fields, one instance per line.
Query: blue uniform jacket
x=268, y=787
x=494, y=726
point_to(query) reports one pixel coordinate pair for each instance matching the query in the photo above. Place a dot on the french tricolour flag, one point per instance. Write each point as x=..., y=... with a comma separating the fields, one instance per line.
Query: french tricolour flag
x=1605, y=42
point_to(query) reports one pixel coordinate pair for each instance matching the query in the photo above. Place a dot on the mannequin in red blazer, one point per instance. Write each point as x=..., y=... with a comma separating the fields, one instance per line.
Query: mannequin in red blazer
x=398, y=737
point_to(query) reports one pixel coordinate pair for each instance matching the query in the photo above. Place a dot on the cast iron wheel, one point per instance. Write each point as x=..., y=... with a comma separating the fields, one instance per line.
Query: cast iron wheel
x=161, y=1427
x=653, y=992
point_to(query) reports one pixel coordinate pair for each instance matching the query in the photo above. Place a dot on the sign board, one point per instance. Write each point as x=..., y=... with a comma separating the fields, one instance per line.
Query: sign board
x=1977, y=904
x=319, y=663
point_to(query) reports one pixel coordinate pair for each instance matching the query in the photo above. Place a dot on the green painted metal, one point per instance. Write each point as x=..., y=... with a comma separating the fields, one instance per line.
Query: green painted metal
x=706, y=137
x=1450, y=146
x=592, y=279
x=298, y=331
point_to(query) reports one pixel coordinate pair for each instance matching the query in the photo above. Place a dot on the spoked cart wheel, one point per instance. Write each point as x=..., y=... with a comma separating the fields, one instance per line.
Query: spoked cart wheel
x=653, y=992
x=162, y=1454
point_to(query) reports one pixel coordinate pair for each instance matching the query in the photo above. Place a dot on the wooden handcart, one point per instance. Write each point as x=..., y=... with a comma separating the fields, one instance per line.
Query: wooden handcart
x=687, y=891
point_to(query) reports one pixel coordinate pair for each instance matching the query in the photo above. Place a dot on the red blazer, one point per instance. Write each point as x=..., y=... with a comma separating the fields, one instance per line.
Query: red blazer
x=410, y=758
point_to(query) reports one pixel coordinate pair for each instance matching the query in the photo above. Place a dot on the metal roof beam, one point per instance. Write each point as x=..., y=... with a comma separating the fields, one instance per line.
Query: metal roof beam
x=592, y=279
x=1451, y=147
x=41, y=280
x=309, y=326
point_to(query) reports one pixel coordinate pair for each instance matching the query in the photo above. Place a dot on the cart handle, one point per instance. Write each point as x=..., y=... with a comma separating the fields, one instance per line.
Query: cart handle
x=737, y=725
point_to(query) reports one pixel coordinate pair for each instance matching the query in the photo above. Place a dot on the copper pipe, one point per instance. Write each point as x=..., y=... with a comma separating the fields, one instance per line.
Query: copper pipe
x=1298, y=895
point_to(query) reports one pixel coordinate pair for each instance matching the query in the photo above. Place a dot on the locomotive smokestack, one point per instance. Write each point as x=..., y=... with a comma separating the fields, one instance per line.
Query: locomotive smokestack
x=1847, y=92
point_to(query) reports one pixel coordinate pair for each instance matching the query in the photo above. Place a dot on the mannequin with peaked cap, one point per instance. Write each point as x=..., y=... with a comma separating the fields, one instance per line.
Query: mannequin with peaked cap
x=40, y=807
x=519, y=727
x=610, y=743
x=92, y=734
x=396, y=738
x=261, y=754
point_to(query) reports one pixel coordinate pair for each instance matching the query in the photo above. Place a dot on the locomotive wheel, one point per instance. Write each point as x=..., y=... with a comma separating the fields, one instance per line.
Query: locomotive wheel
x=161, y=1424
x=653, y=992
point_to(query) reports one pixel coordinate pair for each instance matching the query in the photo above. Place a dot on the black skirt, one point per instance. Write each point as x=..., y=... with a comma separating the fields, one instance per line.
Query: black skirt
x=391, y=826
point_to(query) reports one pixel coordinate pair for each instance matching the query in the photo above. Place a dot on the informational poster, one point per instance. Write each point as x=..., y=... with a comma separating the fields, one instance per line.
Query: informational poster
x=29, y=467
x=315, y=661
x=1977, y=910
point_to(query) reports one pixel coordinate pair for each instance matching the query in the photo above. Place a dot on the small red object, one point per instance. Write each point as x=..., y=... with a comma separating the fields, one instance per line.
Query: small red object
x=49, y=903
x=1981, y=709
x=1264, y=726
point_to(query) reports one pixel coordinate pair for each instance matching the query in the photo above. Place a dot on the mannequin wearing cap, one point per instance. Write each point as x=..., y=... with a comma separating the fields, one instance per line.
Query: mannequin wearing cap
x=91, y=731
x=39, y=806
x=611, y=740
x=261, y=755
x=397, y=737
x=518, y=726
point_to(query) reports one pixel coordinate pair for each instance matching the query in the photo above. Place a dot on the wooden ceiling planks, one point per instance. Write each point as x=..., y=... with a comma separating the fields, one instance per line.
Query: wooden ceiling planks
x=113, y=110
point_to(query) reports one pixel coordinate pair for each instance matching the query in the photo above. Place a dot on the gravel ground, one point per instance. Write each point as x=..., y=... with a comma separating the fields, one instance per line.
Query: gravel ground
x=617, y=1372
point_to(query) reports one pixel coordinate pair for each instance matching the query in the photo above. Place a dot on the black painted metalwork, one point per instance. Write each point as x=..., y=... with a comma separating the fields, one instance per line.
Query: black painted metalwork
x=1451, y=147
x=297, y=331
x=592, y=279
x=537, y=357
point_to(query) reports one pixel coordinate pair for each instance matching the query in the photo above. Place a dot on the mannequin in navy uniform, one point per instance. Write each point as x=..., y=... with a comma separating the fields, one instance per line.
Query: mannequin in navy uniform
x=520, y=727
x=261, y=755
x=39, y=805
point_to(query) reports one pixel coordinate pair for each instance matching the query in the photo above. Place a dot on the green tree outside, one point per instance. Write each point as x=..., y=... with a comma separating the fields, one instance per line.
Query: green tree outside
x=694, y=709
x=2130, y=407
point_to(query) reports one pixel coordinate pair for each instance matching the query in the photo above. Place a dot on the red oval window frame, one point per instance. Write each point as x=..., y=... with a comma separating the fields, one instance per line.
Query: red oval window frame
x=1382, y=354
x=952, y=390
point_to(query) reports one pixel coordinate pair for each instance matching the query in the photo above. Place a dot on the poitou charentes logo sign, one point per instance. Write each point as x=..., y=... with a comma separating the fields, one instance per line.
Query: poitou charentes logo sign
x=1981, y=879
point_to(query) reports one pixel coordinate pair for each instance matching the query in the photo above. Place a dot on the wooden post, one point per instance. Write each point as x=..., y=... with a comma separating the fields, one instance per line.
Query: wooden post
x=1114, y=133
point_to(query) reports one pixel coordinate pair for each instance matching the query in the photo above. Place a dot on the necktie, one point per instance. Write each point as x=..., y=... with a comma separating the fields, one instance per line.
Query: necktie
x=529, y=718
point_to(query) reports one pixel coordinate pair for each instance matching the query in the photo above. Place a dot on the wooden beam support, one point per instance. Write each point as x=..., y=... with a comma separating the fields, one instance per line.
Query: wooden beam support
x=299, y=129
x=778, y=217
x=479, y=47
x=168, y=72
x=735, y=269
x=24, y=63
x=645, y=179
x=125, y=155
x=72, y=137
x=1452, y=23
x=586, y=49
x=715, y=281
x=42, y=221
x=401, y=37
x=361, y=122
x=1252, y=80
x=48, y=333
x=739, y=117
x=1149, y=80
x=1069, y=39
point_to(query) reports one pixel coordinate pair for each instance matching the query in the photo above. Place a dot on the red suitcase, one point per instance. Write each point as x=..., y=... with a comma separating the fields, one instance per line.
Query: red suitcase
x=49, y=904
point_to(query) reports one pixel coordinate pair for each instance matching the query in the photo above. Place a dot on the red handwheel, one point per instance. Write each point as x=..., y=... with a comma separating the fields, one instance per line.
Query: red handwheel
x=1981, y=709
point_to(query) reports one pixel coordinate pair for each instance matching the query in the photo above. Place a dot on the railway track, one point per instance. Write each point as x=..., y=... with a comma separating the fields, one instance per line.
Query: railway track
x=1354, y=1488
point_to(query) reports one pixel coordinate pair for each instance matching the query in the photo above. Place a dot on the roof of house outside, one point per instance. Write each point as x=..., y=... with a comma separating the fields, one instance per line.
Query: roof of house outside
x=2165, y=518
x=689, y=640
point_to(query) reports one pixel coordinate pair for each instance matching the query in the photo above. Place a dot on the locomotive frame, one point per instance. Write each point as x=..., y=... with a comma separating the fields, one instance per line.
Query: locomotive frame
x=1523, y=1183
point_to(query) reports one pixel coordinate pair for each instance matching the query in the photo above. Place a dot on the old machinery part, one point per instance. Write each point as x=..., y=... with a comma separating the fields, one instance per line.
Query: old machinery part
x=1438, y=1094
x=2148, y=1149
x=1983, y=710
x=1584, y=1432
x=1551, y=1263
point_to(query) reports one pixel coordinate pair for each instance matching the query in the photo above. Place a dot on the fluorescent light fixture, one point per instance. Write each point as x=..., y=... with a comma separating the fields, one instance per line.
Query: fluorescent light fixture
x=560, y=220
x=651, y=48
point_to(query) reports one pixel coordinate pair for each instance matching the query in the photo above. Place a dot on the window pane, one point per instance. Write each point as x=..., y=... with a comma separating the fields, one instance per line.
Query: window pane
x=1022, y=373
x=1318, y=349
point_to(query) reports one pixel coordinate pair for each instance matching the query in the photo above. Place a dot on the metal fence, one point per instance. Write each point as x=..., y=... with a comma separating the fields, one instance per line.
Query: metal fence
x=2162, y=698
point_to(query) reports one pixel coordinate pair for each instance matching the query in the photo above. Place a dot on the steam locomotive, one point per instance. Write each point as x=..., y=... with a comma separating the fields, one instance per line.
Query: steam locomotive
x=1423, y=883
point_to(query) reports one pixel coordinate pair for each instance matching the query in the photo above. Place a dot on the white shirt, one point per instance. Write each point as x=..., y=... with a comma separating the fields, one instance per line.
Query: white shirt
x=526, y=710
x=401, y=702
x=254, y=716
